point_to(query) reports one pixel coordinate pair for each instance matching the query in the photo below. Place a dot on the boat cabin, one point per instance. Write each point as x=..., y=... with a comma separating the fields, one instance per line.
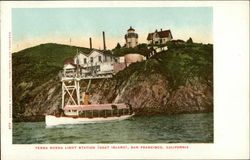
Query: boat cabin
x=98, y=110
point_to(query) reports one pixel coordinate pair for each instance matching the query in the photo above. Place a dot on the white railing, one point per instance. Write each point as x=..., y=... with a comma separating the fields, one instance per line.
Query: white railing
x=88, y=75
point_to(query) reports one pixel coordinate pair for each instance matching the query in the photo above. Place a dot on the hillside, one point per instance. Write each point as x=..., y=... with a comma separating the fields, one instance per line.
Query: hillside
x=179, y=80
x=34, y=67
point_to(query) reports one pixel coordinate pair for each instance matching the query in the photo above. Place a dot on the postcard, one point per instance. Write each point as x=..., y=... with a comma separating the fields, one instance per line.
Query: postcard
x=122, y=80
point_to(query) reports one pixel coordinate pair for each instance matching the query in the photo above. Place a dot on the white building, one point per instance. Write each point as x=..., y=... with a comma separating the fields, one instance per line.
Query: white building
x=131, y=38
x=96, y=60
x=97, y=64
x=69, y=68
x=159, y=37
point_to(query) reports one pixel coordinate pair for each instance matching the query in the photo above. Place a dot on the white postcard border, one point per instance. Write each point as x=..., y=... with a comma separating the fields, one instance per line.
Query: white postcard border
x=231, y=88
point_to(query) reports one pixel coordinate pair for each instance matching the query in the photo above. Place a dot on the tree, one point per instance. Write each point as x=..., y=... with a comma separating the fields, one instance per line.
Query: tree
x=118, y=46
x=190, y=40
x=171, y=45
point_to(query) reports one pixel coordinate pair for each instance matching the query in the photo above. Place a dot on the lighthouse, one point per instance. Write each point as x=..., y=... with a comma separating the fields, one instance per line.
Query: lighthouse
x=131, y=38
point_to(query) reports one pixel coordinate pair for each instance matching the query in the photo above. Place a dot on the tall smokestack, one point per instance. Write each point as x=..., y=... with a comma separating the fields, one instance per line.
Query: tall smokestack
x=90, y=43
x=104, y=45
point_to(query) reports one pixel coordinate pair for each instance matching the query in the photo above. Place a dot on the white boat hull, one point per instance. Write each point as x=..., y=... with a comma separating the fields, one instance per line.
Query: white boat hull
x=51, y=120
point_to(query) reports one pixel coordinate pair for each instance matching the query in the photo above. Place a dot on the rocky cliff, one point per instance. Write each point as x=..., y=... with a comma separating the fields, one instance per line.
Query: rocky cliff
x=148, y=94
x=152, y=94
x=148, y=88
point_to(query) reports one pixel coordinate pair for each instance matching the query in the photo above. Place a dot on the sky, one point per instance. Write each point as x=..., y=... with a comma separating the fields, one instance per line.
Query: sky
x=34, y=26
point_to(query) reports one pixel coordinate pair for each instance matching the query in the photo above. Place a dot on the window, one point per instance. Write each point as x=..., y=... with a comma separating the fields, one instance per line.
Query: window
x=114, y=107
x=91, y=59
x=105, y=58
x=85, y=60
x=100, y=58
x=77, y=61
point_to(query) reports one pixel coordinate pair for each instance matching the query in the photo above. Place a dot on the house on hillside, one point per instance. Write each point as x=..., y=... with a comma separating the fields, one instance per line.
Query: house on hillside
x=131, y=38
x=159, y=37
x=96, y=60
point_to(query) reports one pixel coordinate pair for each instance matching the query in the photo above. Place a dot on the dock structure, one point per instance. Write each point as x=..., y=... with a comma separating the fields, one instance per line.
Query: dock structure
x=64, y=76
x=71, y=88
x=95, y=65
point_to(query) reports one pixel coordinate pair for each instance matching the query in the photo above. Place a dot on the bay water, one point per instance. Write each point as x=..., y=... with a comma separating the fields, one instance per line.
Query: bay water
x=182, y=128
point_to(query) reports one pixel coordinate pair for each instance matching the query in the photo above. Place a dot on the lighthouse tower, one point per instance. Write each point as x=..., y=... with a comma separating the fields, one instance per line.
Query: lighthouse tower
x=131, y=38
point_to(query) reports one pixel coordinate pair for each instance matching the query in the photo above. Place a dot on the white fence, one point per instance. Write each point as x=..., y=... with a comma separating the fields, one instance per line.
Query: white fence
x=63, y=75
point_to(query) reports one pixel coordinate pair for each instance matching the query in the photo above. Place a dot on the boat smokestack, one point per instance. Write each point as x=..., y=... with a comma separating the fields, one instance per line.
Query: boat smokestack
x=104, y=44
x=90, y=43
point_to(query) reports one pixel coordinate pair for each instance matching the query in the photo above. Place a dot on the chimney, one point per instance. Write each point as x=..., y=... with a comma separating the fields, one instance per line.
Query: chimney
x=90, y=43
x=161, y=29
x=104, y=45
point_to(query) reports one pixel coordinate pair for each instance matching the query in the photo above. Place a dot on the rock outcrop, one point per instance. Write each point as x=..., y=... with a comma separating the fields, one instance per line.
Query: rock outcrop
x=152, y=94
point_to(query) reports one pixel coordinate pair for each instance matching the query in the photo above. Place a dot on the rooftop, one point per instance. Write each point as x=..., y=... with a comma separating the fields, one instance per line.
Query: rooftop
x=162, y=34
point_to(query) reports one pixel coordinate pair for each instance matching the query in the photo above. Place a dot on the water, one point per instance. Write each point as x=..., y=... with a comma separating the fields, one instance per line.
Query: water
x=183, y=128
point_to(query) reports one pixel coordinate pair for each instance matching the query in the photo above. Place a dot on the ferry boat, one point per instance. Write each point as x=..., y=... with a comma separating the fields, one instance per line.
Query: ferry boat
x=82, y=114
